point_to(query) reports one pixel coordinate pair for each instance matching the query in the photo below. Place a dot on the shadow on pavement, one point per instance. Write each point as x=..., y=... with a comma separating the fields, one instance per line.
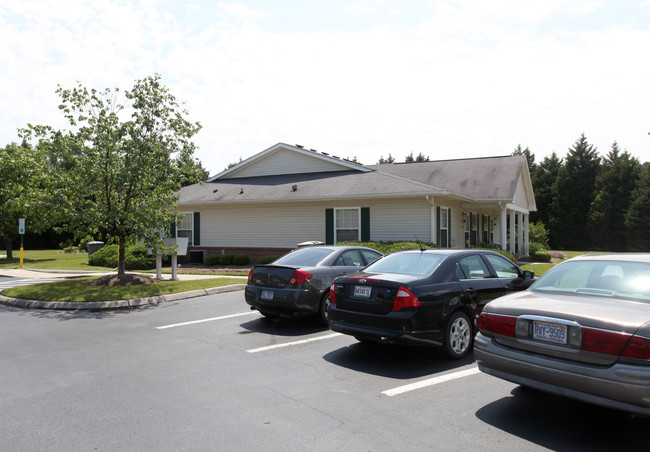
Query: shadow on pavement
x=559, y=423
x=394, y=361
x=284, y=327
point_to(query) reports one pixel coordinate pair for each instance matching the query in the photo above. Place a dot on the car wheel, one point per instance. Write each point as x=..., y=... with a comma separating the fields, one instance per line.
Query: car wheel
x=322, y=311
x=458, y=336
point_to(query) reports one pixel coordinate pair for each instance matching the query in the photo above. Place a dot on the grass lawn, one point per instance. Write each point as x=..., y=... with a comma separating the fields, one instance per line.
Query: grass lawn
x=77, y=289
x=49, y=260
x=57, y=260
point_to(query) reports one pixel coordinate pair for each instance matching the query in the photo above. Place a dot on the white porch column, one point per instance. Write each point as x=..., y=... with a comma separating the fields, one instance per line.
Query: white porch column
x=512, y=232
x=503, y=225
x=520, y=234
x=526, y=235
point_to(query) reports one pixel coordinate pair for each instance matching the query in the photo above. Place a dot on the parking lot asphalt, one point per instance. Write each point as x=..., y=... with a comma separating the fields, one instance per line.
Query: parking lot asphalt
x=49, y=275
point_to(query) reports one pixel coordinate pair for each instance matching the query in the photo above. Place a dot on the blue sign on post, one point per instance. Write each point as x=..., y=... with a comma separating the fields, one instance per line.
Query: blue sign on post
x=21, y=226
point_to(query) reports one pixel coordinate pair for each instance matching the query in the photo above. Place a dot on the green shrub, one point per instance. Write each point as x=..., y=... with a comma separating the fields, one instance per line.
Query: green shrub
x=240, y=259
x=268, y=259
x=212, y=259
x=135, y=258
x=226, y=259
x=104, y=257
x=541, y=256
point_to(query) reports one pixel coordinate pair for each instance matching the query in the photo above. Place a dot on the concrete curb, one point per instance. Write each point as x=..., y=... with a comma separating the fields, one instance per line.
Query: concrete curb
x=116, y=304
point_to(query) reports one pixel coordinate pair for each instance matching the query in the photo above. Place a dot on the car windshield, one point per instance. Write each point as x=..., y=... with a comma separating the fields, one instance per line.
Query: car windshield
x=305, y=257
x=406, y=263
x=601, y=278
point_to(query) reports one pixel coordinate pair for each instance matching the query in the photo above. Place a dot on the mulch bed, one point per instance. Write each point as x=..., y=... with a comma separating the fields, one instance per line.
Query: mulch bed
x=121, y=280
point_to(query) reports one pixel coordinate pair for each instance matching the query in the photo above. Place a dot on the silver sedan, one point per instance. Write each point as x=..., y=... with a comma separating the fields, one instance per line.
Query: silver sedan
x=581, y=331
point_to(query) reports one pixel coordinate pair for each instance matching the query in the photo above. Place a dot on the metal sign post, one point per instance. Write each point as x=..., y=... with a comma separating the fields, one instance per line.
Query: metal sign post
x=21, y=231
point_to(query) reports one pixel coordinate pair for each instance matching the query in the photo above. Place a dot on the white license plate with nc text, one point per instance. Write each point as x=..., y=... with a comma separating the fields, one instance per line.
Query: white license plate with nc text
x=362, y=291
x=550, y=332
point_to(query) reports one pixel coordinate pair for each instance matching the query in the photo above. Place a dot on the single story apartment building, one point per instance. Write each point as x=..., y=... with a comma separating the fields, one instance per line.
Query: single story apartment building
x=287, y=194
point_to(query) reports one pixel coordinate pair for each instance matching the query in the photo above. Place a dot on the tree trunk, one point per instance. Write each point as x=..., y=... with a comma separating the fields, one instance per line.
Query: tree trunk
x=9, y=248
x=121, y=251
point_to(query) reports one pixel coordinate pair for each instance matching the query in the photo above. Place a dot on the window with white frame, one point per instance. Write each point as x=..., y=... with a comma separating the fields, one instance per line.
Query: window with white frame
x=185, y=228
x=347, y=224
x=444, y=227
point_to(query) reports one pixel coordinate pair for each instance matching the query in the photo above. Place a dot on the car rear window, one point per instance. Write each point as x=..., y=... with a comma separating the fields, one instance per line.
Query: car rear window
x=406, y=263
x=601, y=278
x=306, y=257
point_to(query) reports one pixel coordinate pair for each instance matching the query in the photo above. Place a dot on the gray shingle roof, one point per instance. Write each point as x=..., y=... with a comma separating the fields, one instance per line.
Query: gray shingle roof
x=493, y=178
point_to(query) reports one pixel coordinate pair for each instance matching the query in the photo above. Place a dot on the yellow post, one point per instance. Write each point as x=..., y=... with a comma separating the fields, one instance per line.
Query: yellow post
x=21, y=257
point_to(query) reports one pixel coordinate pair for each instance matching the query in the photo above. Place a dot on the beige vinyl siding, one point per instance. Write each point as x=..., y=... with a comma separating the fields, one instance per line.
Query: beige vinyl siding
x=400, y=219
x=280, y=225
x=284, y=161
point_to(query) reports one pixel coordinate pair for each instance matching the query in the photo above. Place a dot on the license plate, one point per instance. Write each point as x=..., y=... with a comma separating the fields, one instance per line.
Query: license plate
x=267, y=295
x=550, y=332
x=362, y=291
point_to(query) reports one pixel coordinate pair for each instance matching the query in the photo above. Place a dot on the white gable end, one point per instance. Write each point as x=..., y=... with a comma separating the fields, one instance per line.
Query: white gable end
x=286, y=159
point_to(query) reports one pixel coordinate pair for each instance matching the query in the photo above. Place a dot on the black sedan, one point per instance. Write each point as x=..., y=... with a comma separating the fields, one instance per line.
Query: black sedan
x=581, y=331
x=423, y=297
x=298, y=283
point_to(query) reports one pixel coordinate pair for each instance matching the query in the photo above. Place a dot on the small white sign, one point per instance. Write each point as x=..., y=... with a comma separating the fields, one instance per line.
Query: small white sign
x=21, y=226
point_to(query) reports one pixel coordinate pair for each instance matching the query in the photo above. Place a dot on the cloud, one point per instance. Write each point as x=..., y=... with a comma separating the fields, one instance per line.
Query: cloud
x=449, y=79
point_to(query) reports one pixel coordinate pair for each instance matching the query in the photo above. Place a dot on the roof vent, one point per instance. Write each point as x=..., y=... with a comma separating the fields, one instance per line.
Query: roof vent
x=294, y=187
x=241, y=191
x=215, y=190
x=314, y=150
x=300, y=146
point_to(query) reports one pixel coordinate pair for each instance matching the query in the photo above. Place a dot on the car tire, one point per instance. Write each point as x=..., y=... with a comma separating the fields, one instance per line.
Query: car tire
x=458, y=336
x=322, y=310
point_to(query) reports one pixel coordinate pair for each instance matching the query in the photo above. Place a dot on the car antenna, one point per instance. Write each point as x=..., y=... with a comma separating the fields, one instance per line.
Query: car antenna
x=422, y=248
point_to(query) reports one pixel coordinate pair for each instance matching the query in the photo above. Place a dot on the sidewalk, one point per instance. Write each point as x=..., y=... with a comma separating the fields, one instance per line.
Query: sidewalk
x=106, y=305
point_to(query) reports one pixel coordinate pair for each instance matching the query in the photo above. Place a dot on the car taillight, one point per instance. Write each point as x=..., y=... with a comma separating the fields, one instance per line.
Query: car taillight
x=250, y=277
x=405, y=299
x=638, y=348
x=299, y=277
x=602, y=341
x=333, y=293
x=497, y=324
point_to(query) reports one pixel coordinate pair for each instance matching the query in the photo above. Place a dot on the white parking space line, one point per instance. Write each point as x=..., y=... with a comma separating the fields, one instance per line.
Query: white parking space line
x=212, y=319
x=430, y=382
x=289, y=344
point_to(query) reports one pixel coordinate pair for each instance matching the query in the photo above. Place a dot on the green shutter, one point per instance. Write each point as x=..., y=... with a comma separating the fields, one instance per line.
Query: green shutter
x=172, y=230
x=438, y=225
x=197, y=229
x=448, y=228
x=329, y=226
x=365, y=224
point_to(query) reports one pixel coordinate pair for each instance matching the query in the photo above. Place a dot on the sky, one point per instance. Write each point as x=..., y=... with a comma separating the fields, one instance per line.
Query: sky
x=353, y=78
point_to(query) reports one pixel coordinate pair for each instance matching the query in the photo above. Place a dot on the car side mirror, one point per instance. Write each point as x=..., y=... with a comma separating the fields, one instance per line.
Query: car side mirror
x=529, y=274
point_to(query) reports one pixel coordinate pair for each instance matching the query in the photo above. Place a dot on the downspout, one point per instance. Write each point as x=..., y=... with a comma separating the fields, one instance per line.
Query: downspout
x=433, y=218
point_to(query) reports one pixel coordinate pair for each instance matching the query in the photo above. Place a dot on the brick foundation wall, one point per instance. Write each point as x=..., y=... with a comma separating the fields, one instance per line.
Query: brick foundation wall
x=255, y=254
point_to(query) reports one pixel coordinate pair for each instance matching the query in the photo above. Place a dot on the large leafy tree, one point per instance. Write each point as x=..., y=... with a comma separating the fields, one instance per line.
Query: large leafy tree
x=637, y=219
x=613, y=188
x=22, y=192
x=119, y=169
x=575, y=193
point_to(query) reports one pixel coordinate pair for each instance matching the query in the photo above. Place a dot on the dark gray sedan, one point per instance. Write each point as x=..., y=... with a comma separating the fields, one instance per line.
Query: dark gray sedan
x=581, y=331
x=298, y=283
